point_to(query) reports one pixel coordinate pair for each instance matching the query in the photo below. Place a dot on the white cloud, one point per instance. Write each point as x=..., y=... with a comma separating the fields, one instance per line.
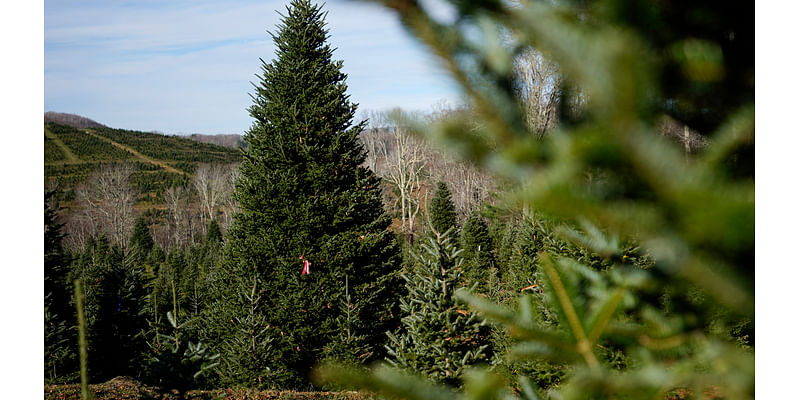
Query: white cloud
x=186, y=66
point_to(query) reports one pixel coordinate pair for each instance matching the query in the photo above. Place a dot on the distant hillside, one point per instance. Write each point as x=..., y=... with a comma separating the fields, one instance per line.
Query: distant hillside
x=73, y=154
x=230, y=140
x=75, y=121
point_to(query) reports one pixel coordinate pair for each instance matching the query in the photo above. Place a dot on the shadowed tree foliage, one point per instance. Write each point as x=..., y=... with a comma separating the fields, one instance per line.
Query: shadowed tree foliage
x=141, y=242
x=213, y=235
x=60, y=338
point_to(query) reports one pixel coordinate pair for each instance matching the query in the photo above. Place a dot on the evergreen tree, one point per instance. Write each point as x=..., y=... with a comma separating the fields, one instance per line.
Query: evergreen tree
x=304, y=197
x=442, y=210
x=438, y=339
x=478, y=251
x=141, y=242
x=213, y=234
x=115, y=292
x=59, y=361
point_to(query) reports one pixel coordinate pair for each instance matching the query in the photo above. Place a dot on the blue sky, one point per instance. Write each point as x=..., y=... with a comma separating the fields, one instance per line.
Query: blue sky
x=186, y=66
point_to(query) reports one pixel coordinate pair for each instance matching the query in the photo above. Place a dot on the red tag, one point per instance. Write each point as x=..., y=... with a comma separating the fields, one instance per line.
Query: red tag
x=306, y=270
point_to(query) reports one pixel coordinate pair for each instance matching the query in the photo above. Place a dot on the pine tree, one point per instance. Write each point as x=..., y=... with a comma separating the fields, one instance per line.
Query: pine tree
x=438, y=338
x=442, y=210
x=303, y=196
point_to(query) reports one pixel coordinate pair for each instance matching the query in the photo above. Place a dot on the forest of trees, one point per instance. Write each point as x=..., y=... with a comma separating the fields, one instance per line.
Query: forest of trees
x=571, y=248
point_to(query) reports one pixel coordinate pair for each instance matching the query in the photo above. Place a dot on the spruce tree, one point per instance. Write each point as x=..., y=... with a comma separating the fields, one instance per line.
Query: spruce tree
x=442, y=210
x=438, y=338
x=303, y=196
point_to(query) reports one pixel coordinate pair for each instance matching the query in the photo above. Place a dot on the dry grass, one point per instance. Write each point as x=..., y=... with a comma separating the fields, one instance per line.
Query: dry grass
x=125, y=388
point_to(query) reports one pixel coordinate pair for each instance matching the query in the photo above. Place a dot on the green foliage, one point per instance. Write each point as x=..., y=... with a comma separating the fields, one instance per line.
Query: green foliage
x=254, y=352
x=52, y=153
x=350, y=347
x=645, y=297
x=213, y=234
x=85, y=146
x=178, y=362
x=437, y=339
x=141, y=242
x=172, y=148
x=478, y=252
x=115, y=299
x=303, y=195
x=150, y=180
x=442, y=210
x=60, y=362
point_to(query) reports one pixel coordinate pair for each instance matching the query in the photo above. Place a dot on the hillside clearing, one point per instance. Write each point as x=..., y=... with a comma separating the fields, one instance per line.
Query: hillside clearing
x=139, y=156
x=71, y=157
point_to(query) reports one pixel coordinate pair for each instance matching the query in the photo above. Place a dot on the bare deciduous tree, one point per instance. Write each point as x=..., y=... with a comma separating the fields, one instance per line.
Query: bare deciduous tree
x=210, y=184
x=469, y=185
x=229, y=204
x=107, y=200
x=178, y=217
x=538, y=84
x=405, y=164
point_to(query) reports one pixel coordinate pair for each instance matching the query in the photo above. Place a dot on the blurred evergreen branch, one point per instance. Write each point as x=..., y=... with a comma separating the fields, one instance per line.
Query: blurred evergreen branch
x=607, y=168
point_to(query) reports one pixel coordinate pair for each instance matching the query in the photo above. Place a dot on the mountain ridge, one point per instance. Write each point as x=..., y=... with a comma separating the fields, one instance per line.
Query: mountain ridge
x=73, y=120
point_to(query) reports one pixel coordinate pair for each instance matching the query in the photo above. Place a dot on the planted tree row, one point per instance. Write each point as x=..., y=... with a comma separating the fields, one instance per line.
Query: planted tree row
x=171, y=148
x=87, y=147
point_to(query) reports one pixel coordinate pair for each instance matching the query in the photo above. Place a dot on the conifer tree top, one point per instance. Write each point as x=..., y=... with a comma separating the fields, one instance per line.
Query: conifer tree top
x=442, y=209
x=301, y=93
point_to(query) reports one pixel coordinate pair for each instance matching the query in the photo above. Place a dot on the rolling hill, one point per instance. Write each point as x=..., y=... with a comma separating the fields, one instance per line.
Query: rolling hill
x=75, y=121
x=72, y=154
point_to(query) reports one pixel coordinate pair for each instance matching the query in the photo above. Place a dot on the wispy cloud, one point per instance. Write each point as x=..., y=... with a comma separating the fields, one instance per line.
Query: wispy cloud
x=185, y=66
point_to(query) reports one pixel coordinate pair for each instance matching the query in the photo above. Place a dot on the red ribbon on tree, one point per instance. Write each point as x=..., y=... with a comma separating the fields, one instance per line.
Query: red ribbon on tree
x=306, y=265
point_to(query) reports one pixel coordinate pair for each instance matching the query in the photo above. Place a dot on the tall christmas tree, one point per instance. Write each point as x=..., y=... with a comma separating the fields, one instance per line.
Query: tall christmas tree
x=310, y=216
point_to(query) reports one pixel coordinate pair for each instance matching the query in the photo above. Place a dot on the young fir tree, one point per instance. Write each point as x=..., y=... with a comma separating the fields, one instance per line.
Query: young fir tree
x=213, y=234
x=478, y=251
x=438, y=339
x=303, y=197
x=141, y=242
x=442, y=210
